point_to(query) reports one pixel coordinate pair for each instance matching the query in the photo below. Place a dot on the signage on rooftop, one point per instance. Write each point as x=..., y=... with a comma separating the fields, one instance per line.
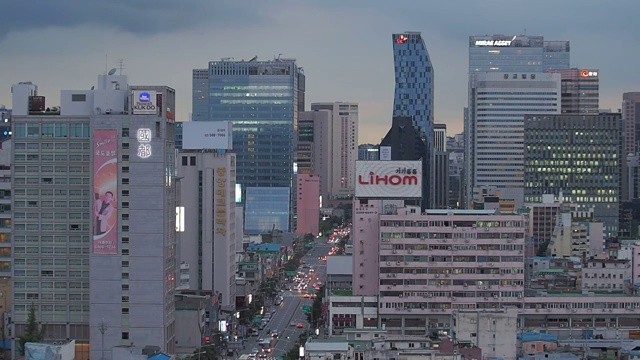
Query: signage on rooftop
x=494, y=42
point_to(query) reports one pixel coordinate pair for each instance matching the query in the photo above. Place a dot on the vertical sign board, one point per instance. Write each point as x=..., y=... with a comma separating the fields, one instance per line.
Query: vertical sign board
x=385, y=153
x=220, y=202
x=105, y=189
x=144, y=102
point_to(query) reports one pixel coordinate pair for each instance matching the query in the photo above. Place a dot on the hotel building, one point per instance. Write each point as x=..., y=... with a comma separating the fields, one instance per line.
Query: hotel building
x=95, y=206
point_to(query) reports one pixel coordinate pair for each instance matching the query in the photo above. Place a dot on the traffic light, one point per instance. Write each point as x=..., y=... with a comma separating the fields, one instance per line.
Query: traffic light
x=207, y=338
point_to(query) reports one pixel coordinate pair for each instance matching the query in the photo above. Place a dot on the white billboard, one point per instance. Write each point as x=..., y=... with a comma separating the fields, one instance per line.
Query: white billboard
x=199, y=135
x=144, y=102
x=385, y=153
x=389, y=179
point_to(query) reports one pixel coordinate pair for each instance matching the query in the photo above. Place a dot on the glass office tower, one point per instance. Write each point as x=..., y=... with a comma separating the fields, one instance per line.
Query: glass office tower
x=414, y=81
x=262, y=99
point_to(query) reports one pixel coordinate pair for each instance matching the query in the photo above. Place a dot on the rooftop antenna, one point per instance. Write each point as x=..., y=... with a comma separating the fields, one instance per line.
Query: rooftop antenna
x=106, y=63
x=120, y=66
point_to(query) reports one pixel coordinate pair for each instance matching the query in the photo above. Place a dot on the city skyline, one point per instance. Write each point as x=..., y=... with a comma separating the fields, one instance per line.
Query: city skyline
x=64, y=46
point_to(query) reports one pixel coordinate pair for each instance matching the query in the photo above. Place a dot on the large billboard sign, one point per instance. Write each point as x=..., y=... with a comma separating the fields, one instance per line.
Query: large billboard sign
x=200, y=135
x=105, y=189
x=389, y=179
x=145, y=102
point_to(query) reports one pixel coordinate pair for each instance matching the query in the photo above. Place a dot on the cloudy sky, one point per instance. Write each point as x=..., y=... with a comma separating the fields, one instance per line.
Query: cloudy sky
x=344, y=46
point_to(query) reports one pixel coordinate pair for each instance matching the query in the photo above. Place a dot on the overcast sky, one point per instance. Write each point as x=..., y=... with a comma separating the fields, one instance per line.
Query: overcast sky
x=343, y=46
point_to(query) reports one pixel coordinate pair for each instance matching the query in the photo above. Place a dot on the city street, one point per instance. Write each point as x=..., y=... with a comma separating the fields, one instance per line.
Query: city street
x=289, y=313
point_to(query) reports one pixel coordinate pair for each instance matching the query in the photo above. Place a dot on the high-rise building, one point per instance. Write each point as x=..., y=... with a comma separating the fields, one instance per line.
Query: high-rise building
x=368, y=152
x=340, y=133
x=104, y=175
x=498, y=103
x=414, y=80
x=207, y=221
x=580, y=155
x=580, y=90
x=333, y=130
x=5, y=123
x=514, y=57
x=262, y=99
x=631, y=117
x=439, y=175
x=307, y=214
x=517, y=54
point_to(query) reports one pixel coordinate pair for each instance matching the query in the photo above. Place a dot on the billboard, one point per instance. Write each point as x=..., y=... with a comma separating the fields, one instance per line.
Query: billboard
x=144, y=102
x=199, y=135
x=105, y=189
x=385, y=153
x=389, y=179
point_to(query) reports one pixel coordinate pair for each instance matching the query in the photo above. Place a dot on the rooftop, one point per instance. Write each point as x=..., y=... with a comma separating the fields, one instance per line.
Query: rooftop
x=264, y=248
x=340, y=265
x=533, y=336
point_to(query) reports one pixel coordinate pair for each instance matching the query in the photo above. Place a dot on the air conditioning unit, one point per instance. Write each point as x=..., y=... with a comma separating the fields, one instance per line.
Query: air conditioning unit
x=406, y=263
x=437, y=275
x=495, y=296
x=394, y=251
x=388, y=275
x=388, y=262
x=466, y=240
x=395, y=275
x=486, y=229
x=465, y=285
x=453, y=299
x=400, y=295
x=423, y=237
x=429, y=295
x=397, y=262
x=561, y=325
x=446, y=275
x=410, y=251
x=490, y=264
x=573, y=310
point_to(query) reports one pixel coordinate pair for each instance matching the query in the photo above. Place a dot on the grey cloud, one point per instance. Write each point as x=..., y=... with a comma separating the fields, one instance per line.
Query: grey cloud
x=132, y=16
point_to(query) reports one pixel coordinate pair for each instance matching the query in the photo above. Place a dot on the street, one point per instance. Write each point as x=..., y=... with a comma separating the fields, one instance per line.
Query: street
x=290, y=310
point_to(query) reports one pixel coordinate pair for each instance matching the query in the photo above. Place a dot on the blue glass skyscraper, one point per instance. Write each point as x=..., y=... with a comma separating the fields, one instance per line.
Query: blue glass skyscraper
x=414, y=82
x=262, y=100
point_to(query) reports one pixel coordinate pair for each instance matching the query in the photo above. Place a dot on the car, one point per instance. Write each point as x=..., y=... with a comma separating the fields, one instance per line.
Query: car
x=293, y=323
x=274, y=334
x=313, y=296
x=307, y=296
x=299, y=325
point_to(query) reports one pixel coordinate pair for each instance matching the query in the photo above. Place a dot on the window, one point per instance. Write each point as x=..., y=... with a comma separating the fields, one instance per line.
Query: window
x=184, y=161
x=78, y=97
x=125, y=334
x=192, y=161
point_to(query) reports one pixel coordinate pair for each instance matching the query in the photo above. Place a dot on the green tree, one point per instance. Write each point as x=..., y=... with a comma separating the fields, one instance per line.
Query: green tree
x=32, y=332
x=315, y=316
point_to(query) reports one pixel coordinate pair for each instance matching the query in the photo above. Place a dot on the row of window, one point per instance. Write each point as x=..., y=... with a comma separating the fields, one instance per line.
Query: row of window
x=45, y=130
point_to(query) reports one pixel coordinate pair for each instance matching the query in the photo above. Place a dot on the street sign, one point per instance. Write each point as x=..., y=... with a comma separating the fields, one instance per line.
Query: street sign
x=306, y=308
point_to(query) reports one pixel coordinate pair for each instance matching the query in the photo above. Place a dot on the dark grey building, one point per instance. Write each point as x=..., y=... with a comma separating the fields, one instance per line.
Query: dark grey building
x=580, y=155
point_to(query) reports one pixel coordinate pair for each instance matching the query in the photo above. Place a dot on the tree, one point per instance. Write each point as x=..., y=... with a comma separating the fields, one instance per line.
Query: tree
x=32, y=332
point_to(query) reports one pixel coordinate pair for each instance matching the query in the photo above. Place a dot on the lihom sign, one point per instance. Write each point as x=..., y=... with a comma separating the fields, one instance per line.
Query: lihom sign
x=389, y=179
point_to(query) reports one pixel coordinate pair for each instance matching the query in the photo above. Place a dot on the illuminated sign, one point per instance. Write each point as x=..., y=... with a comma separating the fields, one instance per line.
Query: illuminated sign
x=389, y=179
x=144, y=102
x=221, y=201
x=588, y=73
x=105, y=189
x=402, y=38
x=238, y=193
x=144, y=146
x=494, y=42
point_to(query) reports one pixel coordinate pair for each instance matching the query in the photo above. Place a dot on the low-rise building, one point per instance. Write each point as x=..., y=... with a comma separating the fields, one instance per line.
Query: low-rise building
x=606, y=275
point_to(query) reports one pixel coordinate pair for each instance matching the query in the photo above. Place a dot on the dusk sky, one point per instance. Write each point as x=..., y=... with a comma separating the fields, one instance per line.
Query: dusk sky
x=343, y=46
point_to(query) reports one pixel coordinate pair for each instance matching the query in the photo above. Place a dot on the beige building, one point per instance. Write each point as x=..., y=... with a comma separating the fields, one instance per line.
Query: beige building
x=610, y=275
x=493, y=331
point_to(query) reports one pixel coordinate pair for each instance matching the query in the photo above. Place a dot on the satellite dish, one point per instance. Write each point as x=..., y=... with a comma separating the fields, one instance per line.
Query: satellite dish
x=93, y=87
x=112, y=71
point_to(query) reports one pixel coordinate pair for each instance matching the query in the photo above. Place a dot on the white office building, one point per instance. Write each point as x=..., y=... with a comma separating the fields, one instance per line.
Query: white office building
x=498, y=102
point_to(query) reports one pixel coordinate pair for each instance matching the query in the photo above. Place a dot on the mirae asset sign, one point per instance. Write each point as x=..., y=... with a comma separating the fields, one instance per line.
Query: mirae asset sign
x=494, y=42
x=389, y=179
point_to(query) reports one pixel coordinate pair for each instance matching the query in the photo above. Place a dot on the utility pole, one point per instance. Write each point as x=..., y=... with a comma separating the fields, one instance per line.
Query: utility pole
x=102, y=327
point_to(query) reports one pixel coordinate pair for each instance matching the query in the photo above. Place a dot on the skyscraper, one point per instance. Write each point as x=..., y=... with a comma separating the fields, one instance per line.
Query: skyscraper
x=414, y=78
x=498, y=103
x=335, y=153
x=262, y=99
x=631, y=117
x=580, y=90
x=580, y=156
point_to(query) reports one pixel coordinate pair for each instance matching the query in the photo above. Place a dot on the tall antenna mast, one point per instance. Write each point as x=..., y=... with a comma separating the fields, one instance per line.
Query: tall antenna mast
x=106, y=63
x=120, y=66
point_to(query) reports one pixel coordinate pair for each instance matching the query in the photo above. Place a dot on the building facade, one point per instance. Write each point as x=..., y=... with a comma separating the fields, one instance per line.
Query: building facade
x=307, y=212
x=414, y=81
x=498, y=103
x=631, y=117
x=580, y=156
x=262, y=99
x=335, y=148
x=207, y=221
x=580, y=90
x=368, y=152
x=266, y=209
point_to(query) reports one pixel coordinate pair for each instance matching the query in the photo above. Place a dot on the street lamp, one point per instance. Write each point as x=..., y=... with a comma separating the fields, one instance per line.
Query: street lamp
x=102, y=327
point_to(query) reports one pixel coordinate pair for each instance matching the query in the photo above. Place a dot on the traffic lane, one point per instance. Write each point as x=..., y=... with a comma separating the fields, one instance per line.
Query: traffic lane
x=291, y=334
x=280, y=324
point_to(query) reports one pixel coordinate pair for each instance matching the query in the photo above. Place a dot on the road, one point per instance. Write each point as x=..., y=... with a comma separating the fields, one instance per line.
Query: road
x=291, y=308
